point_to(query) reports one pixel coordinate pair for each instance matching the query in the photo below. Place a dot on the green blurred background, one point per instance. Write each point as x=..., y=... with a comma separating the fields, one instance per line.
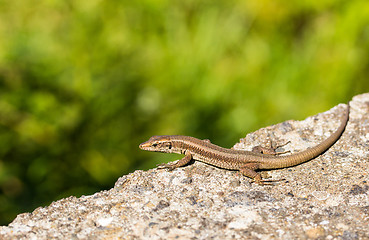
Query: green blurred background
x=82, y=83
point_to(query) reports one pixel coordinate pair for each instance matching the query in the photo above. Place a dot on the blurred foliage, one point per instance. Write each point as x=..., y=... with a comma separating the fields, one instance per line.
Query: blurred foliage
x=82, y=83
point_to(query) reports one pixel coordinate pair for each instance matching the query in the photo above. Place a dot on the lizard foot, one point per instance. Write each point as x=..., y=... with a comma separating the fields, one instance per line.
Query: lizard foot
x=168, y=166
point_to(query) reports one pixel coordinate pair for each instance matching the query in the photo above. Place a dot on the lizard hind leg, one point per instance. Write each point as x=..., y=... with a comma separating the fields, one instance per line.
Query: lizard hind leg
x=270, y=150
x=248, y=170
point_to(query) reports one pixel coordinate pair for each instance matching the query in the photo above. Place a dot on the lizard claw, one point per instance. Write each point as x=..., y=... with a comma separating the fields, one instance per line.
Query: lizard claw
x=170, y=167
x=267, y=181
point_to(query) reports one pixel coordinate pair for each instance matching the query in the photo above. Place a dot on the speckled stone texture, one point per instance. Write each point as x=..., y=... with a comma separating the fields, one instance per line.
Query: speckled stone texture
x=325, y=198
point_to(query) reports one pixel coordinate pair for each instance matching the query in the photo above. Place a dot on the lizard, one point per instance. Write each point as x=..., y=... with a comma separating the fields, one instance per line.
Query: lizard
x=247, y=162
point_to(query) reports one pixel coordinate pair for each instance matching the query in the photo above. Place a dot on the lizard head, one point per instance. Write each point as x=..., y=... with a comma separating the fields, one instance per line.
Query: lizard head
x=157, y=144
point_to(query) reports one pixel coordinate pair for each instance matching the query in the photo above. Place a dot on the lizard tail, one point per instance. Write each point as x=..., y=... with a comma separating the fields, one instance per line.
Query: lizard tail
x=310, y=153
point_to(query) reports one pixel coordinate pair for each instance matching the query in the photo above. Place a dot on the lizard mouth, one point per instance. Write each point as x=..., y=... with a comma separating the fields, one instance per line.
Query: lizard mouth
x=143, y=146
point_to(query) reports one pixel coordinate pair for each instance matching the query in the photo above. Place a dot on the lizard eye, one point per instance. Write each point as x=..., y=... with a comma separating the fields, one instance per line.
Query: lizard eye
x=154, y=144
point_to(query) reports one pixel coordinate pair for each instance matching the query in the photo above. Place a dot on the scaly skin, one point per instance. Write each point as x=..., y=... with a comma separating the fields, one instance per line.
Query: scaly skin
x=244, y=161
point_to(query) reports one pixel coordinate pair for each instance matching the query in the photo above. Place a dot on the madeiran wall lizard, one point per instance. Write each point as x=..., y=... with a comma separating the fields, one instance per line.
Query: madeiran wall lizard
x=244, y=161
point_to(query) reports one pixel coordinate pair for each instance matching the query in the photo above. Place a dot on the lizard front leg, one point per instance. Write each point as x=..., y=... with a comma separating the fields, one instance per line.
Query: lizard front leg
x=182, y=162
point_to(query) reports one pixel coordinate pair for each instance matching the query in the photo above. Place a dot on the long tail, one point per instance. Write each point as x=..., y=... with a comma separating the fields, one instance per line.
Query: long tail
x=310, y=153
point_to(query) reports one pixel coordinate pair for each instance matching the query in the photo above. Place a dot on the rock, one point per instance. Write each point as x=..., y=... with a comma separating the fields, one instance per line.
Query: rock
x=324, y=198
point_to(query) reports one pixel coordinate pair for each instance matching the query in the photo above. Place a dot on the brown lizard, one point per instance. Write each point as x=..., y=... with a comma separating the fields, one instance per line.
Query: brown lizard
x=244, y=161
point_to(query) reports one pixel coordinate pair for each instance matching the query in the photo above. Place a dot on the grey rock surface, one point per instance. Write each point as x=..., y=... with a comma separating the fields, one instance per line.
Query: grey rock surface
x=325, y=198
